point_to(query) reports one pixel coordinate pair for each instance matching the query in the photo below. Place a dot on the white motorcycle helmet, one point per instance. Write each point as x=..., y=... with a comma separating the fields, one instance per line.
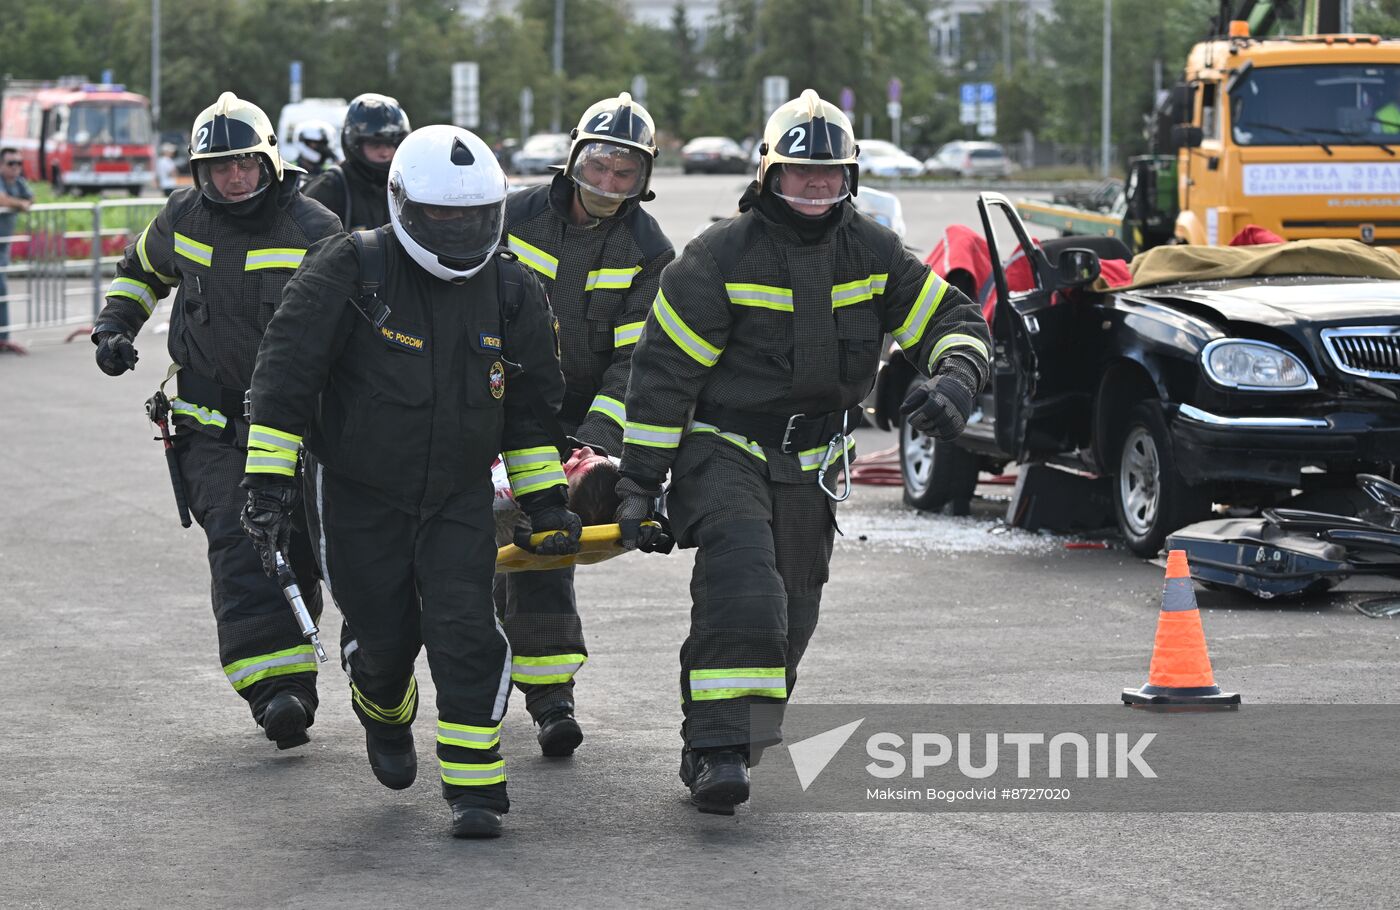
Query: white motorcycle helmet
x=447, y=200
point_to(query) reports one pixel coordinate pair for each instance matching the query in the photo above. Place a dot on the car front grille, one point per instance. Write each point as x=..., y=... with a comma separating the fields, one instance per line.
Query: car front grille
x=1372, y=351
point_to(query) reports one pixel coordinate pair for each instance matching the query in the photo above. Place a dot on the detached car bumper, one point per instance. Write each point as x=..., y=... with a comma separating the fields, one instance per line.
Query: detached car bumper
x=1274, y=450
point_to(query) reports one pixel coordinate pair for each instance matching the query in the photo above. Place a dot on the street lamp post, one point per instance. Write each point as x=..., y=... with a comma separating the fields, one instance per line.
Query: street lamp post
x=155, y=63
x=1107, y=86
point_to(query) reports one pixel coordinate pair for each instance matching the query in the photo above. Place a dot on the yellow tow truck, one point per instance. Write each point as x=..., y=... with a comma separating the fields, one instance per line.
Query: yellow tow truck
x=1299, y=134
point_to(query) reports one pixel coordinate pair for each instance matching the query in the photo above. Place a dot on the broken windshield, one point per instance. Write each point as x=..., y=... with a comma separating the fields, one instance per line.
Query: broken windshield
x=1336, y=104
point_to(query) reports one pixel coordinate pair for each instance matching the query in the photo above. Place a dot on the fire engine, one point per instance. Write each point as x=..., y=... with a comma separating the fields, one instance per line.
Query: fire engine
x=80, y=137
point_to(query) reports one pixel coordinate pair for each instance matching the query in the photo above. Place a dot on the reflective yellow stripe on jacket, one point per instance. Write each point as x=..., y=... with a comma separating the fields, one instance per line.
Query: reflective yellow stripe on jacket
x=533, y=256
x=193, y=250
x=532, y=470
x=689, y=341
x=132, y=289
x=273, y=258
x=271, y=451
x=611, y=279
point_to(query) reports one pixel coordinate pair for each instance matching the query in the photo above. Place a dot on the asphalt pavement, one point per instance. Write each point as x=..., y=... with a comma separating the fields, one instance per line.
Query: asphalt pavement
x=131, y=776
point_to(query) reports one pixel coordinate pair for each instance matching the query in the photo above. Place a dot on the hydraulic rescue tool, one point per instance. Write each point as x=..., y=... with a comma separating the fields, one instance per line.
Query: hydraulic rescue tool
x=158, y=412
x=292, y=591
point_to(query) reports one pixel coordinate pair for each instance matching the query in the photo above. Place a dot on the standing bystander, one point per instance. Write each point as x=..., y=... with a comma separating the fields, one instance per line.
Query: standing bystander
x=15, y=197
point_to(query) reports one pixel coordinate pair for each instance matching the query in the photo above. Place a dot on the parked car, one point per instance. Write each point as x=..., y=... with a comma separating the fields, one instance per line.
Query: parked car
x=713, y=155
x=541, y=152
x=1184, y=393
x=883, y=207
x=879, y=158
x=970, y=160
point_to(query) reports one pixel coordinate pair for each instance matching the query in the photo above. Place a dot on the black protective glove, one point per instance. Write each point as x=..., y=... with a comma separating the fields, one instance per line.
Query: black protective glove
x=640, y=496
x=546, y=511
x=115, y=352
x=267, y=517
x=940, y=407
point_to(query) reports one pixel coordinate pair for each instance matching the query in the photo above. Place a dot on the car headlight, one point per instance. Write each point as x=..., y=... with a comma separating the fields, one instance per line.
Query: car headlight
x=1256, y=366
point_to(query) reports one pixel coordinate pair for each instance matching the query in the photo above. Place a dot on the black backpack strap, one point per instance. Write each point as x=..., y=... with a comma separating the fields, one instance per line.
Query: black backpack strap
x=370, y=247
x=510, y=291
x=345, y=190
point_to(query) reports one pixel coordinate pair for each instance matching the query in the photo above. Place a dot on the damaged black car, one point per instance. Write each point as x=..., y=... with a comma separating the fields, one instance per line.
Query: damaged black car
x=1236, y=376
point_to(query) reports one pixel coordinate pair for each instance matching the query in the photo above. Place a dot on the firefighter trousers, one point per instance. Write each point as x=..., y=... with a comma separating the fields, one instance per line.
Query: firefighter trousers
x=260, y=644
x=404, y=583
x=763, y=557
x=540, y=615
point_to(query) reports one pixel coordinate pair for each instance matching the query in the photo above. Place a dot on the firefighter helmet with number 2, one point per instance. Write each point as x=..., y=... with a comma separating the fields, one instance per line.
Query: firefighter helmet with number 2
x=233, y=151
x=808, y=130
x=611, y=157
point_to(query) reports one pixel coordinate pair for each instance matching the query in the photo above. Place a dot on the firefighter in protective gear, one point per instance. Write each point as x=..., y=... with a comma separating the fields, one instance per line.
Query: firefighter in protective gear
x=600, y=256
x=401, y=415
x=315, y=154
x=356, y=188
x=227, y=246
x=762, y=342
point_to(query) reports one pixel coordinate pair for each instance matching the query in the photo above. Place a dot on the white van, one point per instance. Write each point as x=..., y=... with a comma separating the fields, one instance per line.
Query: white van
x=331, y=110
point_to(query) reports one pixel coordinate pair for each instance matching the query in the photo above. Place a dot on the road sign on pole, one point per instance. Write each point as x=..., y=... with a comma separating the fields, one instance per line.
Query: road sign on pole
x=848, y=102
x=967, y=103
x=893, y=90
x=986, y=109
x=466, y=102
x=639, y=89
x=294, y=78
x=775, y=93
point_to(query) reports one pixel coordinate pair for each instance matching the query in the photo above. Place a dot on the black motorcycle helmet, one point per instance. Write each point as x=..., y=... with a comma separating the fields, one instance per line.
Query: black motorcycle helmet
x=372, y=116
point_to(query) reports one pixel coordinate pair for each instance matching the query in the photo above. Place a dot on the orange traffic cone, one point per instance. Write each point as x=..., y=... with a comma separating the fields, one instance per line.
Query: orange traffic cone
x=1180, y=673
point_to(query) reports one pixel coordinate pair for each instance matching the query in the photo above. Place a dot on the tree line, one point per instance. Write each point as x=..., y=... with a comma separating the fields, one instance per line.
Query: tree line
x=699, y=82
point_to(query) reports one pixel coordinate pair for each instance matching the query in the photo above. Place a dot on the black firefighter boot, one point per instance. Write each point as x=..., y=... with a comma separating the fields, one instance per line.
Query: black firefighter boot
x=559, y=733
x=285, y=720
x=472, y=820
x=392, y=759
x=718, y=779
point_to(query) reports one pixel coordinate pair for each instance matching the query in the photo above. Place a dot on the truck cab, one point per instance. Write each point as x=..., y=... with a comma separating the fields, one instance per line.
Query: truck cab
x=1299, y=135
x=81, y=137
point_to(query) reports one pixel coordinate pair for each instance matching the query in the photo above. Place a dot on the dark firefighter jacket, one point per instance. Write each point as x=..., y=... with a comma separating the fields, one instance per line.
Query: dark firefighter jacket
x=360, y=200
x=420, y=407
x=601, y=279
x=228, y=273
x=750, y=319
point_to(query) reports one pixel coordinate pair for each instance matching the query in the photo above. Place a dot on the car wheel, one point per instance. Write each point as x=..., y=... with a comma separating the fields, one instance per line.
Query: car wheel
x=934, y=471
x=1150, y=497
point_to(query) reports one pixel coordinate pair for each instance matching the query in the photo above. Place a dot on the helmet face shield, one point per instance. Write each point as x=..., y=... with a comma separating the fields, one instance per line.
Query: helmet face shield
x=812, y=184
x=458, y=234
x=232, y=178
x=611, y=171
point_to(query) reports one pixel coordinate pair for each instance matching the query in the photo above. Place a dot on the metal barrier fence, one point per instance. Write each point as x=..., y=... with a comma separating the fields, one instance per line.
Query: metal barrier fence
x=62, y=257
